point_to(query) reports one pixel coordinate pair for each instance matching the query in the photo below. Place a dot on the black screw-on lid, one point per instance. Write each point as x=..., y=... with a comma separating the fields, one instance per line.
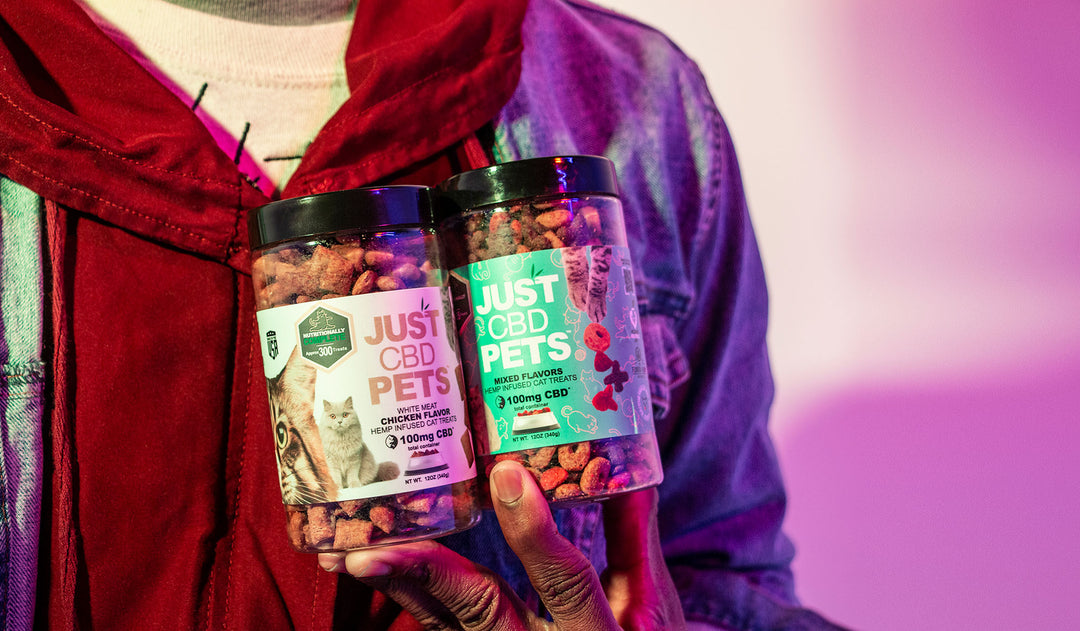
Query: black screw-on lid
x=362, y=209
x=525, y=178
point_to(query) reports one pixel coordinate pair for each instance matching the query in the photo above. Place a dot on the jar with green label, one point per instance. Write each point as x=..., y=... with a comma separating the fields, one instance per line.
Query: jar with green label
x=362, y=369
x=548, y=321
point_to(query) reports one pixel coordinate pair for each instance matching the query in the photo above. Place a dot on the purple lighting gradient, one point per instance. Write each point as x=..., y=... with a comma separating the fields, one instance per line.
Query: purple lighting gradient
x=941, y=506
x=913, y=171
x=936, y=486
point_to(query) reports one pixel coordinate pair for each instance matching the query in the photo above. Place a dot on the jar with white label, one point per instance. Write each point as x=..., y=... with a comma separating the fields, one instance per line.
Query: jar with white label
x=362, y=369
x=547, y=317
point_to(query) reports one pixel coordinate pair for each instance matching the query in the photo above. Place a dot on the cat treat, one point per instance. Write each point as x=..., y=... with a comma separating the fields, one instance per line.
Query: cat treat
x=547, y=317
x=362, y=369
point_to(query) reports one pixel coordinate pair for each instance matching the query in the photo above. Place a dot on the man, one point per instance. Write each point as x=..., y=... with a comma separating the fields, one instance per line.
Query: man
x=143, y=133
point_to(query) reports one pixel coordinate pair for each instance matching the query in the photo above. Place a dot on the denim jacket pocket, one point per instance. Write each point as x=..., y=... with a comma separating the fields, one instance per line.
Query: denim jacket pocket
x=667, y=364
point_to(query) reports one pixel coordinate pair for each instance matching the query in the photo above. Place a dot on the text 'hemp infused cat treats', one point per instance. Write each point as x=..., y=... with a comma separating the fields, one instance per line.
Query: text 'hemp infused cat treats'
x=361, y=364
x=547, y=316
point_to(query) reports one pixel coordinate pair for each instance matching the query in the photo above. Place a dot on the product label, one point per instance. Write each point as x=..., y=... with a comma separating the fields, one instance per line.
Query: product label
x=366, y=395
x=553, y=347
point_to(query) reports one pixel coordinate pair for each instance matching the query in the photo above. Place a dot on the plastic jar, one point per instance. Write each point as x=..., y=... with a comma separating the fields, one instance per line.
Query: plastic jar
x=373, y=446
x=548, y=322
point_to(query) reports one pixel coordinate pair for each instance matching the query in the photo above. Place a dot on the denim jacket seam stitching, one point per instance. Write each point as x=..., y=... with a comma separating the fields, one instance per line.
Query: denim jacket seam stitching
x=22, y=373
x=661, y=300
x=714, y=179
x=716, y=170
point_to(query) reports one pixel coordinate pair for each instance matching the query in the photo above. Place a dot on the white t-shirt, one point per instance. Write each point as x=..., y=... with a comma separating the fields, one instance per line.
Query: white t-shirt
x=262, y=90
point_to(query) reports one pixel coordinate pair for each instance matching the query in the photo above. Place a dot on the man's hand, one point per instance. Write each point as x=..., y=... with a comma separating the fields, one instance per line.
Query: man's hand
x=443, y=590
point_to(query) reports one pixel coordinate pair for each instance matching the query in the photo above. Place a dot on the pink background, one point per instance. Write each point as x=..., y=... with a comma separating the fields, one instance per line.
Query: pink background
x=913, y=170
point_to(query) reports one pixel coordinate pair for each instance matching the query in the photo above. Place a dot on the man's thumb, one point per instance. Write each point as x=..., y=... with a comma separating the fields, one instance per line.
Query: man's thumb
x=564, y=579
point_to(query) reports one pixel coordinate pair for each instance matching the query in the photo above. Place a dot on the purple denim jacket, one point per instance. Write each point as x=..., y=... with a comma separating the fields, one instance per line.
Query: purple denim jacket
x=602, y=84
x=596, y=83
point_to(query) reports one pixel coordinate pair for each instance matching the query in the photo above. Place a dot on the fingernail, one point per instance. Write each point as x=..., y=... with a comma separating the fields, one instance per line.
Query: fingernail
x=330, y=562
x=507, y=482
x=374, y=569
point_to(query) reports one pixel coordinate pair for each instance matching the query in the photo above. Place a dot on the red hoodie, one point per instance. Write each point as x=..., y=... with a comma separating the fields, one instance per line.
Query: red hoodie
x=164, y=510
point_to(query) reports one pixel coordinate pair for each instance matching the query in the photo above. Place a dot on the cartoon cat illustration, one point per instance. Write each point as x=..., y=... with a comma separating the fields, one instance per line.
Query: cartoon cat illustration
x=305, y=478
x=579, y=421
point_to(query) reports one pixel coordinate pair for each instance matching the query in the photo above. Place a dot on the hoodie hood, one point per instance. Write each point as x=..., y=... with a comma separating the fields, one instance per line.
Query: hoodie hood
x=87, y=126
